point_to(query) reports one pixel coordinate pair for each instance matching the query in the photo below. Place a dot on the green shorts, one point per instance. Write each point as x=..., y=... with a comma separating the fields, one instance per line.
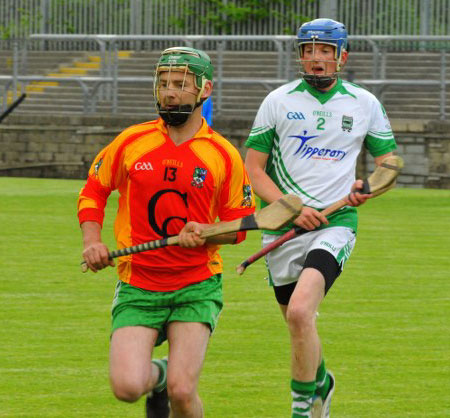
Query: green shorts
x=200, y=302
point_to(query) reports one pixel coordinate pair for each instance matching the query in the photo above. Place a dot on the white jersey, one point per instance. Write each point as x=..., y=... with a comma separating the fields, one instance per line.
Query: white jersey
x=314, y=138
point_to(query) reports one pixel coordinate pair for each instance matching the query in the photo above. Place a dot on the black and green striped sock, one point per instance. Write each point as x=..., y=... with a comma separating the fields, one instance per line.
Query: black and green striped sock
x=302, y=393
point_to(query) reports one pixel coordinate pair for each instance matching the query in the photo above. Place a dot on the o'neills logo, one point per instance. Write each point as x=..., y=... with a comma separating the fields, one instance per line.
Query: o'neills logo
x=143, y=166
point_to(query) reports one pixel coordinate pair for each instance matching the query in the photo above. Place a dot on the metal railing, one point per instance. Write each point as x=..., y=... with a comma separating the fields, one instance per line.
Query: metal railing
x=19, y=18
x=106, y=85
x=89, y=87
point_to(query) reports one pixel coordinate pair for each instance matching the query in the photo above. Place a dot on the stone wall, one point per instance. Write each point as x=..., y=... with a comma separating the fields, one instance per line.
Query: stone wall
x=64, y=146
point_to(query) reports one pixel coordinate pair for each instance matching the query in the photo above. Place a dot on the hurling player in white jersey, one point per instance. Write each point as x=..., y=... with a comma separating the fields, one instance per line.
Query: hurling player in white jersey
x=305, y=140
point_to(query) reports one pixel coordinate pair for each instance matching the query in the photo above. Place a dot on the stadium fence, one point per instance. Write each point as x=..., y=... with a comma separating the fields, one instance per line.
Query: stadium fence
x=20, y=18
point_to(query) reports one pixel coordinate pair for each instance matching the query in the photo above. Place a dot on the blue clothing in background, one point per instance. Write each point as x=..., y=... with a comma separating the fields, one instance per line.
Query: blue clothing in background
x=207, y=110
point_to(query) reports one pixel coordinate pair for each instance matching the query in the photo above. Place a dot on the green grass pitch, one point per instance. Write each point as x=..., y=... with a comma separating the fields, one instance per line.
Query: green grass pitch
x=384, y=325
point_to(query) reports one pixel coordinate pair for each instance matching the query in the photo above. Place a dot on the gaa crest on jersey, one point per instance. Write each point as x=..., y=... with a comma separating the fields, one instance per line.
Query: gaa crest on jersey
x=247, y=192
x=295, y=115
x=347, y=123
x=97, y=166
x=198, y=177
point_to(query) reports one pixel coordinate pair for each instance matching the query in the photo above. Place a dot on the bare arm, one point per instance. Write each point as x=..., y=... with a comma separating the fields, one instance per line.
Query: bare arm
x=267, y=190
x=95, y=252
x=379, y=159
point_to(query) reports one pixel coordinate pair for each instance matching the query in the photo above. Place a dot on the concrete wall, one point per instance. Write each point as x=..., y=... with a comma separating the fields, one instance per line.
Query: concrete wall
x=64, y=146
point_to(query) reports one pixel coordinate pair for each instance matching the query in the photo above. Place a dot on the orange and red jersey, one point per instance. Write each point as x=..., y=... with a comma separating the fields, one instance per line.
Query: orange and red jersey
x=162, y=186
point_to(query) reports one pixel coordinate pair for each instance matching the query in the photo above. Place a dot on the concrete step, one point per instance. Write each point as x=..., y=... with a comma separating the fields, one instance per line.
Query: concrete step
x=231, y=101
x=414, y=107
x=74, y=92
x=50, y=108
x=231, y=91
x=408, y=102
x=395, y=98
x=243, y=112
x=48, y=54
x=417, y=95
x=148, y=68
x=237, y=72
x=49, y=102
x=227, y=58
x=412, y=89
x=413, y=115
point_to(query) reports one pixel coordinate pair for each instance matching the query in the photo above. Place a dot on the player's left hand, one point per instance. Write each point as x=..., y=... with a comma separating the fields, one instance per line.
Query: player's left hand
x=189, y=236
x=355, y=197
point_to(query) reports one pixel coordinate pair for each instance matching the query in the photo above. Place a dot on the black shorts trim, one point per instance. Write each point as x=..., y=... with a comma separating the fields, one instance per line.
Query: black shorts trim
x=320, y=260
x=283, y=293
x=324, y=262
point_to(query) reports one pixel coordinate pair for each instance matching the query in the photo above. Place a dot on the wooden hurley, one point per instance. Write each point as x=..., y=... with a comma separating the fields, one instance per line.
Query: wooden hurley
x=380, y=181
x=272, y=217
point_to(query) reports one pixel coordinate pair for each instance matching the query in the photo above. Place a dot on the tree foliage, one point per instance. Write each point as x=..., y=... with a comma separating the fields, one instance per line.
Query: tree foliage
x=16, y=28
x=223, y=15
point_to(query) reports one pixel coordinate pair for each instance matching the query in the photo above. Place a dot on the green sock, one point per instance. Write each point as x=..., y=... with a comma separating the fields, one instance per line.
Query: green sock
x=322, y=381
x=302, y=393
x=162, y=378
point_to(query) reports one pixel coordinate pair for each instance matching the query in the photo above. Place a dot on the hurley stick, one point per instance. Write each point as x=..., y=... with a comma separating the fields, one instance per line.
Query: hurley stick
x=272, y=217
x=12, y=106
x=380, y=181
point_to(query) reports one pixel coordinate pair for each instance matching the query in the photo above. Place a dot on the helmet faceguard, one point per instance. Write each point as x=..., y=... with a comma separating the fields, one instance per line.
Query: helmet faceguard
x=322, y=31
x=187, y=61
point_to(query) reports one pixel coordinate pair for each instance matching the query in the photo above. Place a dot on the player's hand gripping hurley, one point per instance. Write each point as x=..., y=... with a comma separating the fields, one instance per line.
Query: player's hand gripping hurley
x=272, y=217
x=381, y=180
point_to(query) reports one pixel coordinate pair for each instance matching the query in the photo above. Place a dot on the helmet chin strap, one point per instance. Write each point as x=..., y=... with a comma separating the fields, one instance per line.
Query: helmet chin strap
x=175, y=117
x=178, y=116
x=318, y=81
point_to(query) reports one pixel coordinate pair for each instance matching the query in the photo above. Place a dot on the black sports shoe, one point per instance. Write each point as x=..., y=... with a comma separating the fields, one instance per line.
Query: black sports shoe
x=157, y=404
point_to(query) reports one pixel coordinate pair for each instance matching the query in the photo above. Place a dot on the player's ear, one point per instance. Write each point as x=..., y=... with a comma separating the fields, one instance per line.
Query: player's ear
x=344, y=57
x=207, y=91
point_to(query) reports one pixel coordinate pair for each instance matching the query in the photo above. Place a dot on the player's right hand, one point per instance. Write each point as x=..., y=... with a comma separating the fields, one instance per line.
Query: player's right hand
x=96, y=256
x=310, y=219
x=189, y=236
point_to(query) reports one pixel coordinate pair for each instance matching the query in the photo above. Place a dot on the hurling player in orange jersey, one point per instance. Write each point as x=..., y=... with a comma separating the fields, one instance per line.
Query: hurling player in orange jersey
x=175, y=175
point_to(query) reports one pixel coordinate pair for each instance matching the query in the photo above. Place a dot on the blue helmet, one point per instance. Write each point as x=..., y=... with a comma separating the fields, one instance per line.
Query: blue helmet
x=323, y=31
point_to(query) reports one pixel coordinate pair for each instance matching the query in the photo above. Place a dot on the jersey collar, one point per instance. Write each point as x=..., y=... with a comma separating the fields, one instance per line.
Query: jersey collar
x=204, y=132
x=322, y=97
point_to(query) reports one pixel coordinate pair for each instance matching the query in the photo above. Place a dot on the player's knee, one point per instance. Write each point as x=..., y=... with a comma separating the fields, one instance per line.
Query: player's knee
x=181, y=394
x=299, y=317
x=126, y=394
x=127, y=391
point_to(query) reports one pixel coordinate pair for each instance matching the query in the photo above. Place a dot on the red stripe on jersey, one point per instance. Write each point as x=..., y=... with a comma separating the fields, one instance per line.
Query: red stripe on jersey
x=91, y=214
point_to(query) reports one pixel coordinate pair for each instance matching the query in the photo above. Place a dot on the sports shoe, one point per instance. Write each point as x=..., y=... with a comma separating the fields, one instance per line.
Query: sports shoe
x=316, y=408
x=157, y=402
x=327, y=401
x=321, y=408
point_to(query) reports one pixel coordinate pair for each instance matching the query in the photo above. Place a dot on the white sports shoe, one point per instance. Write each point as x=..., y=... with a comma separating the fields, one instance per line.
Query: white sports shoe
x=316, y=408
x=327, y=401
